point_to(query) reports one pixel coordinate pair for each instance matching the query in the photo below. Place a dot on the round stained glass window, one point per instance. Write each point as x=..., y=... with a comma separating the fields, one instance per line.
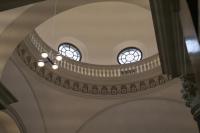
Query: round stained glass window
x=129, y=55
x=70, y=51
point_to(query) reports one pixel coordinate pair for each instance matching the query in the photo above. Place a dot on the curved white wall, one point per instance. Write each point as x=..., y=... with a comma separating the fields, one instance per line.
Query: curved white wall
x=142, y=116
x=100, y=30
x=7, y=124
x=27, y=106
x=7, y=19
x=23, y=24
x=45, y=107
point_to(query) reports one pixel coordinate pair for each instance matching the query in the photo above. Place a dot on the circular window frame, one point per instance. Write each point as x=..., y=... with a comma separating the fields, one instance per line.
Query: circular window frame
x=70, y=44
x=127, y=49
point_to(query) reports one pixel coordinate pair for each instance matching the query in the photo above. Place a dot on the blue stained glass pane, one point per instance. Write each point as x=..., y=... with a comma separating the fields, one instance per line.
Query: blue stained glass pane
x=70, y=51
x=129, y=55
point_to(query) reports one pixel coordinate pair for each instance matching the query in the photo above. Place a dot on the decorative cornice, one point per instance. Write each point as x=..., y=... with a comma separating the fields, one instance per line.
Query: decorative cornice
x=83, y=87
x=106, y=74
x=6, y=98
x=189, y=88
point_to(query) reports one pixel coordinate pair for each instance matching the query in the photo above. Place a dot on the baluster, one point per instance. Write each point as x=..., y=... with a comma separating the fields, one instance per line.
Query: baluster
x=155, y=63
x=148, y=68
x=96, y=73
x=81, y=70
x=39, y=47
x=100, y=74
x=64, y=64
x=88, y=72
x=121, y=71
x=130, y=71
x=126, y=71
x=133, y=70
x=37, y=44
x=92, y=72
x=70, y=65
x=107, y=73
x=78, y=69
x=59, y=64
x=111, y=72
x=118, y=72
x=115, y=73
x=140, y=67
x=85, y=71
x=67, y=63
x=145, y=69
x=74, y=67
x=152, y=65
x=33, y=40
x=104, y=73
x=158, y=61
x=137, y=69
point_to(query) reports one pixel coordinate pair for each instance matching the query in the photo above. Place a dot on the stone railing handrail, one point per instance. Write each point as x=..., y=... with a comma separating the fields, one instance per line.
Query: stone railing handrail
x=79, y=84
x=92, y=70
x=89, y=79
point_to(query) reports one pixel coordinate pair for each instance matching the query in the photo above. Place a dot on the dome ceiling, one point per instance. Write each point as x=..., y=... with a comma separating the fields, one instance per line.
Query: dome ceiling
x=100, y=30
x=23, y=20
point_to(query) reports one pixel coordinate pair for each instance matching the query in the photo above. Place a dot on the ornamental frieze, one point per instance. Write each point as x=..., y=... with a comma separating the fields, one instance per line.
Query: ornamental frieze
x=83, y=87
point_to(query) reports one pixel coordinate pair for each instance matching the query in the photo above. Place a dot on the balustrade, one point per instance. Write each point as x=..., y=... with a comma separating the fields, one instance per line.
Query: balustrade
x=92, y=70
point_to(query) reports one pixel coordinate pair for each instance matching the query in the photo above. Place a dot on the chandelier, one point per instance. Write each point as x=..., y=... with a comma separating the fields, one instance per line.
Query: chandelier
x=46, y=60
x=45, y=56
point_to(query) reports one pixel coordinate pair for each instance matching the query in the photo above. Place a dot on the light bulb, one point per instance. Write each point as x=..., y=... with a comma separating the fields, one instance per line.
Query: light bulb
x=44, y=55
x=59, y=57
x=40, y=63
x=54, y=66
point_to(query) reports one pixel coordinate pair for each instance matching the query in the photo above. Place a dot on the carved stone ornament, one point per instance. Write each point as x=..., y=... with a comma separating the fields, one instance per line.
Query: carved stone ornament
x=91, y=88
x=189, y=89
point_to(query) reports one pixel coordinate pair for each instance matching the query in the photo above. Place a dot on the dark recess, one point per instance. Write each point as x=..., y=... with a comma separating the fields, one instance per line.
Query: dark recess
x=10, y=4
x=193, y=6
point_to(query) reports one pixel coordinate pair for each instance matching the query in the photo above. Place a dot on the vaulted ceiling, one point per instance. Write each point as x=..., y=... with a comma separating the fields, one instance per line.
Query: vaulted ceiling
x=23, y=20
x=100, y=30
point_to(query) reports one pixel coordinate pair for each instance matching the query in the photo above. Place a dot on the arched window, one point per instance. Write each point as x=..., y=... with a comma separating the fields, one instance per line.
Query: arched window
x=129, y=55
x=70, y=51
